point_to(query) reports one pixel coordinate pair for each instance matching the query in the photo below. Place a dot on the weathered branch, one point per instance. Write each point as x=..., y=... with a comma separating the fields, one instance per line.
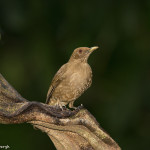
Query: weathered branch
x=69, y=130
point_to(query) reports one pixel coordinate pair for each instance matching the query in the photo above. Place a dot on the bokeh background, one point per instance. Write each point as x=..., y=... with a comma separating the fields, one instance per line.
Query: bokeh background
x=38, y=36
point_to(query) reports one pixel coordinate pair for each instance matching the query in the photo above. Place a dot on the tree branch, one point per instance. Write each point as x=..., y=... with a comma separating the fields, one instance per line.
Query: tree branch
x=69, y=130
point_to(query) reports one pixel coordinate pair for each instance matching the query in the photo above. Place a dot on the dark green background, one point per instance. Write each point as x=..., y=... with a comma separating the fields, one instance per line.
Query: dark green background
x=38, y=36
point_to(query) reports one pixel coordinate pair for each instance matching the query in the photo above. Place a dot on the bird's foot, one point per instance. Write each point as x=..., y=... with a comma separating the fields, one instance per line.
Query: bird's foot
x=58, y=107
x=80, y=107
x=74, y=108
x=64, y=107
x=61, y=107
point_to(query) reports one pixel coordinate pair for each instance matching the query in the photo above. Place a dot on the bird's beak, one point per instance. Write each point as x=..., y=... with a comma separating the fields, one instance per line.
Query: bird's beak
x=93, y=48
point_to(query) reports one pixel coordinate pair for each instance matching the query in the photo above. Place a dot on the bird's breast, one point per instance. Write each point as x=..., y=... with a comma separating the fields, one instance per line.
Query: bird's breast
x=80, y=76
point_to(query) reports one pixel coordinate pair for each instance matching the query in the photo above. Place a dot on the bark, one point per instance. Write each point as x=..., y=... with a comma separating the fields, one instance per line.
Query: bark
x=69, y=130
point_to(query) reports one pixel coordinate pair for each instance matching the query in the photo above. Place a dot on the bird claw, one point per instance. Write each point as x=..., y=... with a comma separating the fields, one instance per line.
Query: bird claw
x=80, y=107
x=64, y=108
x=74, y=108
x=58, y=107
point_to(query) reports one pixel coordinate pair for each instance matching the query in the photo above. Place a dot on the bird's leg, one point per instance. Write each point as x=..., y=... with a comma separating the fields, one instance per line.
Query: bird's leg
x=58, y=104
x=71, y=105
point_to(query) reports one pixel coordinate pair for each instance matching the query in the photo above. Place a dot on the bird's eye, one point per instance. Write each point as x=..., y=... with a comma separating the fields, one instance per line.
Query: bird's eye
x=80, y=51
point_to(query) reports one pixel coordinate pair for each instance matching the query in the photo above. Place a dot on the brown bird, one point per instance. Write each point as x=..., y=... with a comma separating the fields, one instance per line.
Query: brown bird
x=72, y=79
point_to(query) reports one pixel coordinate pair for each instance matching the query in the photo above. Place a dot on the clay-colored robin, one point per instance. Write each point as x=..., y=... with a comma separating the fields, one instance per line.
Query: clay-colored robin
x=72, y=79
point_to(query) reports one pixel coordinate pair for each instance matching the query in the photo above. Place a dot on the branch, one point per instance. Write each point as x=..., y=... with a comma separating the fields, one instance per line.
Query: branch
x=69, y=130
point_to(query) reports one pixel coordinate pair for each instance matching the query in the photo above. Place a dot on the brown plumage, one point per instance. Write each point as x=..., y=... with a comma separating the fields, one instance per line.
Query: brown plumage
x=72, y=79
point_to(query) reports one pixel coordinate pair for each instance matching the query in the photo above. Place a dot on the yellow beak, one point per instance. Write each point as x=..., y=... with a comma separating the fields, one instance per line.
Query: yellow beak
x=93, y=48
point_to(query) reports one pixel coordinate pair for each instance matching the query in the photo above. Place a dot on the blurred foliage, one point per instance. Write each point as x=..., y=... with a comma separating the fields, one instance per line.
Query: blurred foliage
x=38, y=36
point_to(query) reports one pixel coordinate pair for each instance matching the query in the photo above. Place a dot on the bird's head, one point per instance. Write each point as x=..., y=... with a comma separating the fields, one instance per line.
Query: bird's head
x=82, y=53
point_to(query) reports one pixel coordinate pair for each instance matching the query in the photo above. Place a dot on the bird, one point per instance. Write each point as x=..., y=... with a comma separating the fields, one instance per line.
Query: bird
x=71, y=80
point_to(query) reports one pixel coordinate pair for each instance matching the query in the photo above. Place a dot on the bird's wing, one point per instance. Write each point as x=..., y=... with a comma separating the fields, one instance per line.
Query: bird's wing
x=59, y=76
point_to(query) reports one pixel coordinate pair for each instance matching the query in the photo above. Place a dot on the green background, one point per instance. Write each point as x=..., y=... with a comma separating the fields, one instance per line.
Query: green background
x=38, y=36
